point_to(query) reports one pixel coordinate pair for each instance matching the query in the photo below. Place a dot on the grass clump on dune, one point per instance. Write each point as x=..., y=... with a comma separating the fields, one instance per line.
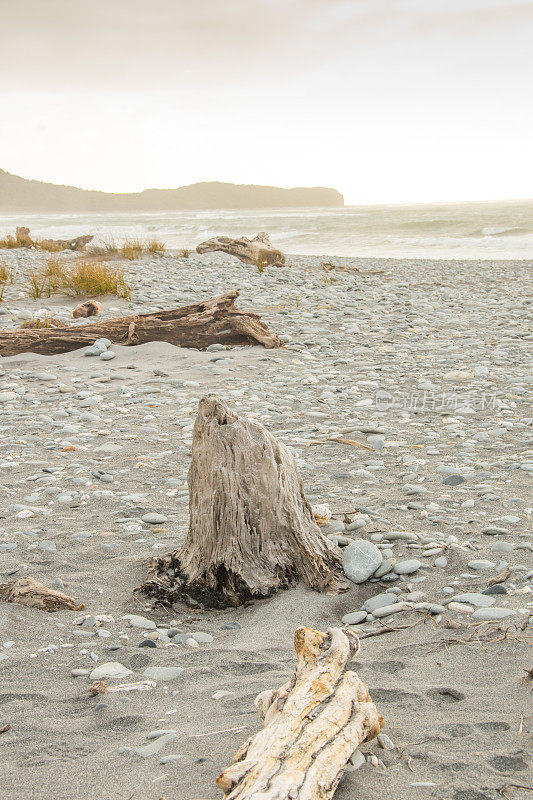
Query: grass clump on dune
x=80, y=277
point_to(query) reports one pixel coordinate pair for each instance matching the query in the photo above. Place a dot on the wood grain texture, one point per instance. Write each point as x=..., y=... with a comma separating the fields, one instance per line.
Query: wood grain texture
x=258, y=251
x=313, y=725
x=251, y=529
x=213, y=321
x=28, y=592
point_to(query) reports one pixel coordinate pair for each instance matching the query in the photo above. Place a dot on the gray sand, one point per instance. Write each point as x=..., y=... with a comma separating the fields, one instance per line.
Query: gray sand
x=430, y=364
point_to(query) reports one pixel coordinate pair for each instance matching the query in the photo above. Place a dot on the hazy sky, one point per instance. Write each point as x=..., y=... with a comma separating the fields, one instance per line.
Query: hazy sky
x=386, y=100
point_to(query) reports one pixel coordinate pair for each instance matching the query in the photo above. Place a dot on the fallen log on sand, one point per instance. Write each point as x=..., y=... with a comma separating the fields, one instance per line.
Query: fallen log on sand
x=251, y=530
x=28, y=592
x=313, y=725
x=258, y=251
x=212, y=321
x=23, y=239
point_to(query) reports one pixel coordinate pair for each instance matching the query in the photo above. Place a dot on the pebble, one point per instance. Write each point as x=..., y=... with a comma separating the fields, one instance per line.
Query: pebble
x=111, y=669
x=154, y=519
x=407, y=567
x=137, y=621
x=360, y=560
x=492, y=613
x=354, y=618
x=480, y=564
x=474, y=599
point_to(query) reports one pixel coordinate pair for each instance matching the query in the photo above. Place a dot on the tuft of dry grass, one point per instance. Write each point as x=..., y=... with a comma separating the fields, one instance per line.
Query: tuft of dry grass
x=80, y=277
x=155, y=246
x=9, y=242
x=6, y=275
x=47, y=322
x=132, y=248
x=184, y=253
x=87, y=277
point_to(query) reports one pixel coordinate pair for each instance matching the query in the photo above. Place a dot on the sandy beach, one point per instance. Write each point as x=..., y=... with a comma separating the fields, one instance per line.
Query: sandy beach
x=426, y=362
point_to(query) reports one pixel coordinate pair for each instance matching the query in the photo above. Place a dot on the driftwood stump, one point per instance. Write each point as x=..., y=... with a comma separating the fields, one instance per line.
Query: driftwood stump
x=212, y=321
x=28, y=592
x=251, y=528
x=313, y=725
x=258, y=251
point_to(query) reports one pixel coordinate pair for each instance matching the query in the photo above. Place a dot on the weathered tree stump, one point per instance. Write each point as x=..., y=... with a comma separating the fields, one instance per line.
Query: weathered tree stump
x=28, y=592
x=258, y=251
x=212, y=321
x=313, y=725
x=251, y=528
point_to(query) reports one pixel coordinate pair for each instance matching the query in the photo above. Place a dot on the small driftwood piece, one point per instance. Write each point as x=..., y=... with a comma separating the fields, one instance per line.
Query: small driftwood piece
x=251, y=528
x=77, y=244
x=212, y=321
x=89, y=309
x=28, y=592
x=258, y=251
x=313, y=725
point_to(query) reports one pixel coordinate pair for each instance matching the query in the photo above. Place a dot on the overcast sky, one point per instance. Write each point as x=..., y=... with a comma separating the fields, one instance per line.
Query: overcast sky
x=386, y=100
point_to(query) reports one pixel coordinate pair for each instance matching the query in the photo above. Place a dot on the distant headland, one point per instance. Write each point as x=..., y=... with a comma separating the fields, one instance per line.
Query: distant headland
x=22, y=195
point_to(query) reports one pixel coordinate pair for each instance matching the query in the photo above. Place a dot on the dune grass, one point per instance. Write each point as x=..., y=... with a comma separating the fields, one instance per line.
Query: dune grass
x=77, y=278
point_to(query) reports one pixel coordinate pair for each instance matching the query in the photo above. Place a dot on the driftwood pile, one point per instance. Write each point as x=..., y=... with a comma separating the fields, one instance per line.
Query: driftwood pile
x=313, y=725
x=251, y=528
x=258, y=251
x=212, y=321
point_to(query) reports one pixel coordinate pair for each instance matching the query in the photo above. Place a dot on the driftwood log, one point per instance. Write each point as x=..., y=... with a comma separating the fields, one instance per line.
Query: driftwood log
x=251, y=528
x=78, y=243
x=313, y=725
x=212, y=321
x=23, y=239
x=258, y=251
x=28, y=592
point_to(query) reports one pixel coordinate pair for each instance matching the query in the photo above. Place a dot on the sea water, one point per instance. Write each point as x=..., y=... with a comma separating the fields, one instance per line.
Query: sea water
x=502, y=230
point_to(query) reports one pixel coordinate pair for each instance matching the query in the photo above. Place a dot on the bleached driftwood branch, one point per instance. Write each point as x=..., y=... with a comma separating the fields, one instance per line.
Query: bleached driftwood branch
x=313, y=725
x=257, y=251
x=212, y=321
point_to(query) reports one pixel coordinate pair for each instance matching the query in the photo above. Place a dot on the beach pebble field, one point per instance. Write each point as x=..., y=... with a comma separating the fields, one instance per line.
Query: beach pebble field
x=428, y=365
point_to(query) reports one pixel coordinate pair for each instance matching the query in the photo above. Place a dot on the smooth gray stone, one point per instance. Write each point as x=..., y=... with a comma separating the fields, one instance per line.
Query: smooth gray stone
x=360, y=560
x=454, y=480
x=480, y=564
x=136, y=621
x=492, y=613
x=441, y=561
x=378, y=601
x=111, y=669
x=494, y=530
x=474, y=599
x=201, y=637
x=385, y=567
x=386, y=611
x=354, y=618
x=154, y=519
x=407, y=567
